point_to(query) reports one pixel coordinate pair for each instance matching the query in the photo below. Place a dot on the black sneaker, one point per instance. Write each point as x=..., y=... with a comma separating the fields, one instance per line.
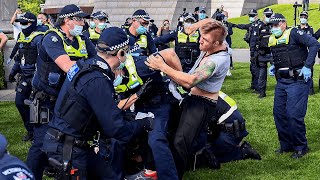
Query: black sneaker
x=28, y=137
x=248, y=152
x=281, y=151
x=262, y=95
x=299, y=154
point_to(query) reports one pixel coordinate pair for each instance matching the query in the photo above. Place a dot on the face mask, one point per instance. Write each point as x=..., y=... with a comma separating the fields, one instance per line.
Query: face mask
x=225, y=18
x=251, y=19
x=77, y=30
x=39, y=22
x=303, y=21
x=101, y=26
x=187, y=24
x=276, y=31
x=92, y=24
x=24, y=26
x=202, y=16
x=267, y=20
x=141, y=30
x=117, y=81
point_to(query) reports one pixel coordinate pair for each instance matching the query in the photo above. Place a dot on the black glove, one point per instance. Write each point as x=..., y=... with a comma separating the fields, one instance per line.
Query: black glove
x=11, y=78
x=144, y=88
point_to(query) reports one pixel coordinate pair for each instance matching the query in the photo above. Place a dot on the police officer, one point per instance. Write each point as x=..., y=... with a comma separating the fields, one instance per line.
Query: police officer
x=25, y=62
x=251, y=38
x=264, y=53
x=93, y=33
x=88, y=103
x=306, y=28
x=10, y=166
x=153, y=29
x=294, y=55
x=127, y=24
x=42, y=22
x=157, y=102
x=186, y=45
x=60, y=48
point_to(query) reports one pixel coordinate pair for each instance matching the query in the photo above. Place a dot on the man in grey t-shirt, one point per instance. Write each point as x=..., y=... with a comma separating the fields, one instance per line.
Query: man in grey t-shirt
x=204, y=81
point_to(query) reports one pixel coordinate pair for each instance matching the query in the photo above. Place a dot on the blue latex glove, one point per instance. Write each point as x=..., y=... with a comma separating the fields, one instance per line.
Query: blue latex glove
x=306, y=72
x=272, y=70
x=8, y=61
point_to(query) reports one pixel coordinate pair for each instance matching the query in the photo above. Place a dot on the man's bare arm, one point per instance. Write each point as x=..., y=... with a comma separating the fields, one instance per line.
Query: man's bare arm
x=4, y=40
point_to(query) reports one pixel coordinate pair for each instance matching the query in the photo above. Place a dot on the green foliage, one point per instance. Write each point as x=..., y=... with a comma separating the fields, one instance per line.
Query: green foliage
x=30, y=5
x=286, y=9
x=260, y=125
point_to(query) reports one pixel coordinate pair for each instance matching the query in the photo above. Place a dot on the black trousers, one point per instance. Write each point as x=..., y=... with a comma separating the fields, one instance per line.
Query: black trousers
x=196, y=112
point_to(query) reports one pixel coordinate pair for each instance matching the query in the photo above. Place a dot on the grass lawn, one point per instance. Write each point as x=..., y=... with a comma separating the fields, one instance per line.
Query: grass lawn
x=260, y=124
x=286, y=9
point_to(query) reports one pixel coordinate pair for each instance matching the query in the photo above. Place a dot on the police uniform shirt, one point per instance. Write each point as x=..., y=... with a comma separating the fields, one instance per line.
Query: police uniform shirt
x=52, y=46
x=308, y=29
x=12, y=168
x=299, y=39
x=98, y=90
x=42, y=28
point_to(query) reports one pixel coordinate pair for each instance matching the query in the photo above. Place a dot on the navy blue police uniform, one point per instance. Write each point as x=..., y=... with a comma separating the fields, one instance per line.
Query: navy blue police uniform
x=11, y=167
x=87, y=103
x=25, y=61
x=186, y=46
x=48, y=81
x=251, y=38
x=293, y=53
x=157, y=102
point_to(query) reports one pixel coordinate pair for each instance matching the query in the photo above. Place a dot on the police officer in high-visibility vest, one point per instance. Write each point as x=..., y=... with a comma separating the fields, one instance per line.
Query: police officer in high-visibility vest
x=141, y=45
x=186, y=45
x=42, y=22
x=25, y=61
x=306, y=28
x=99, y=20
x=223, y=141
x=59, y=49
x=294, y=55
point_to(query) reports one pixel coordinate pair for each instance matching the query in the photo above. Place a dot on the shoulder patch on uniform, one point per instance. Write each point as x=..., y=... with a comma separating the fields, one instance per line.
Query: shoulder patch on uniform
x=300, y=32
x=17, y=173
x=102, y=65
x=54, y=39
x=73, y=71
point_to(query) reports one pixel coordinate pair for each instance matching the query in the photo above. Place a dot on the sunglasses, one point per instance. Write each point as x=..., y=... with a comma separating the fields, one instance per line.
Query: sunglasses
x=77, y=19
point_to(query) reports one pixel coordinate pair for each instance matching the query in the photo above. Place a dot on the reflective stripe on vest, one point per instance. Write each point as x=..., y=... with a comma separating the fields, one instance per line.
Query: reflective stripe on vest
x=93, y=34
x=283, y=39
x=23, y=39
x=183, y=38
x=143, y=41
x=134, y=79
x=231, y=103
x=81, y=52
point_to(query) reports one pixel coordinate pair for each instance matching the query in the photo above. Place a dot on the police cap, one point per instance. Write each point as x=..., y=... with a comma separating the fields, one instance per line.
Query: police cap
x=111, y=39
x=253, y=12
x=304, y=13
x=268, y=11
x=26, y=18
x=141, y=14
x=276, y=18
x=72, y=10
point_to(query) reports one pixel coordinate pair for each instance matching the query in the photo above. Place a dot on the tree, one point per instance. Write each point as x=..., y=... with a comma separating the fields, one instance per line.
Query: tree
x=32, y=6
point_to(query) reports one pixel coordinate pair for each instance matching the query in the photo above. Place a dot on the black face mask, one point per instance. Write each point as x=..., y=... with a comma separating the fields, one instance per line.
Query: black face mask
x=30, y=29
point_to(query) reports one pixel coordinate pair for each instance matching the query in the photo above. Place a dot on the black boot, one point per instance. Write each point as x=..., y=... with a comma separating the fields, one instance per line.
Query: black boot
x=28, y=137
x=248, y=152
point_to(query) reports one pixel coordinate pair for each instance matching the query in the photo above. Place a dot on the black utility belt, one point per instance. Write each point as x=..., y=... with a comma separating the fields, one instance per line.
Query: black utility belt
x=231, y=127
x=60, y=137
x=286, y=73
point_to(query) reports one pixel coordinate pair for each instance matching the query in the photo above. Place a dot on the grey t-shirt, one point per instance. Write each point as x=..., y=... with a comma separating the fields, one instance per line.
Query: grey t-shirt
x=215, y=81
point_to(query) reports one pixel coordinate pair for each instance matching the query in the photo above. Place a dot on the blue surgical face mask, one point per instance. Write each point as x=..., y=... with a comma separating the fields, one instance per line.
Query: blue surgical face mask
x=276, y=31
x=77, y=30
x=187, y=25
x=267, y=20
x=303, y=20
x=141, y=30
x=117, y=81
x=251, y=19
x=24, y=26
x=39, y=22
x=102, y=26
x=92, y=24
x=202, y=16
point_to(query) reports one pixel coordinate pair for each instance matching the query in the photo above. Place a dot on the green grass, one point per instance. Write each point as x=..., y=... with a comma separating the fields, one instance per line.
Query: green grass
x=285, y=9
x=260, y=124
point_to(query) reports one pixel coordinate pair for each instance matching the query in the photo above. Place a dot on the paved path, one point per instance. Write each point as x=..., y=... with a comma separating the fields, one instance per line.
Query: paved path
x=238, y=55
